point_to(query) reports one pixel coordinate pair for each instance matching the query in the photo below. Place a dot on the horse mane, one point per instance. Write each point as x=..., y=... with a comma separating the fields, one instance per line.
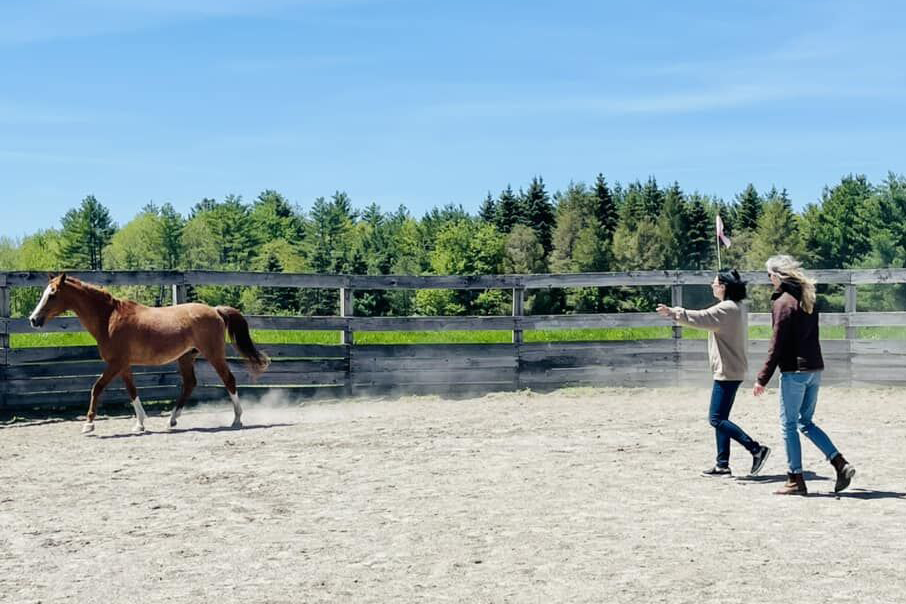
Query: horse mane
x=96, y=290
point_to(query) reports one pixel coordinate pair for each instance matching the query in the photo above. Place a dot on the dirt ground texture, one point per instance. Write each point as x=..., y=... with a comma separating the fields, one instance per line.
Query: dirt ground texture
x=582, y=495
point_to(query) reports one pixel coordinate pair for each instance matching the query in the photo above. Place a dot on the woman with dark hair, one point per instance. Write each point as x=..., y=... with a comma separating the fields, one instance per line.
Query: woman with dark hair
x=728, y=327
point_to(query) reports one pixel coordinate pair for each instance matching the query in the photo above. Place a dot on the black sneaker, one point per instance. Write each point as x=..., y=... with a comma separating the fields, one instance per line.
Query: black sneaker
x=717, y=471
x=758, y=458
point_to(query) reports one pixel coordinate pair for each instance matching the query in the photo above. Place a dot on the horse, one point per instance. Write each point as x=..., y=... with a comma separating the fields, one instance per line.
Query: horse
x=128, y=333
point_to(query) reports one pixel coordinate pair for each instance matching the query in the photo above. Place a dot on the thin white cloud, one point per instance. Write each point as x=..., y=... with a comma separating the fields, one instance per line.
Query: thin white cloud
x=19, y=114
x=46, y=20
x=669, y=102
x=298, y=63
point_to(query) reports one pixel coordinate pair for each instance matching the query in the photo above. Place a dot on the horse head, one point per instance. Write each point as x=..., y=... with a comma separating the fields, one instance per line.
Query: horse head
x=52, y=303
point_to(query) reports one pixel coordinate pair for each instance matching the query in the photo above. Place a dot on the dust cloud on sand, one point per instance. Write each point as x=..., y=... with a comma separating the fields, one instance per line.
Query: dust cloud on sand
x=582, y=495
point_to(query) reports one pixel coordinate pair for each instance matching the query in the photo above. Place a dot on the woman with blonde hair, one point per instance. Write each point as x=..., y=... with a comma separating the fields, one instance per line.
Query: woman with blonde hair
x=796, y=349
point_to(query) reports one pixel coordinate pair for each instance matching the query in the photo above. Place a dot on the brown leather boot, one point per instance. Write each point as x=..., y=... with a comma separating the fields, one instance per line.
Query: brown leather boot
x=795, y=485
x=845, y=472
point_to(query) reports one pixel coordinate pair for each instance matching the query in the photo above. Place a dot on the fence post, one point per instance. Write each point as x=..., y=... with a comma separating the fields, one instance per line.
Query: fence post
x=4, y=337
x=852, y=332
x=179, y=293
x=676, y=299
x=518, y=311
x=347, y=299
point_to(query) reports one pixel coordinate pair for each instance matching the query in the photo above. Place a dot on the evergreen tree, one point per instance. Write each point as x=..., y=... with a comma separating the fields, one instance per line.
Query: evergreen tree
x=509, y=210
x=171, y=228
x=575, y=213
x=523, y=253
x=327, y=249
x=632, y=210
x=276, y=299
x=838, y=232
x=673, y=227
x=274, y=218
x=235, y=233
x=538, y=212
x=701, y=234
x=750, y=206
x=207, y=204
x=488, y=210
x=606, y=209
x=435, y=220
x=785, y=199
x=652, y=198
x=86, y=232
x=777, y=233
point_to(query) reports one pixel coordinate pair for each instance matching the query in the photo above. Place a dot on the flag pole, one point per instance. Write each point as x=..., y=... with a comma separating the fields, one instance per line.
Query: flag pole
x=718, y=230
x=718, y=252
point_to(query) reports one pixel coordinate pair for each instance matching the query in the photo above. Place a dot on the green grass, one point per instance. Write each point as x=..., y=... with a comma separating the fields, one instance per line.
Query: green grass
x=274, y=336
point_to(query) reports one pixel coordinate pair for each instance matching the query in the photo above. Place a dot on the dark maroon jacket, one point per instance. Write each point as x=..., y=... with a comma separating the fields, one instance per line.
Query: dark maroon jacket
x=794, y=344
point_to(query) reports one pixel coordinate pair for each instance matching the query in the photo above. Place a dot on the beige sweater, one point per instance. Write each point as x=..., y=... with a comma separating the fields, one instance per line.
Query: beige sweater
x=728, y=324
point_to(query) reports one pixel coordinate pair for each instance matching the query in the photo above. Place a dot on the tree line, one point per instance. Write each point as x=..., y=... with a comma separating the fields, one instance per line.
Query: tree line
x=584, y=228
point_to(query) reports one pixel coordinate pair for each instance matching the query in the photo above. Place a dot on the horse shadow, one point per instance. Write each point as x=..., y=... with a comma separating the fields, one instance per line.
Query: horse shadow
x=212, y=430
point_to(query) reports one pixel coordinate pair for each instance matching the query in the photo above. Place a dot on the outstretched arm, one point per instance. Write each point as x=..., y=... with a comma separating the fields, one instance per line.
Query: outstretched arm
x=710, y=318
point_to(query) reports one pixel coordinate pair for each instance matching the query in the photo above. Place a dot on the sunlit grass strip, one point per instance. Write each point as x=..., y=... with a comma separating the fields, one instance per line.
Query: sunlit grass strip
x=275, y=336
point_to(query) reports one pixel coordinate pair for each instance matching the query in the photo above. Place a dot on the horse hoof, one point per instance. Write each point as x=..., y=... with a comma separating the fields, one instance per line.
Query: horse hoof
x=236, y=425
x=138, y=429
x=88, y=427
x=172, y=423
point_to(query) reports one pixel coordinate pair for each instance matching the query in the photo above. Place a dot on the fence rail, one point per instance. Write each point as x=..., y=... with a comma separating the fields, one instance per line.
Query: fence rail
x=63, y=376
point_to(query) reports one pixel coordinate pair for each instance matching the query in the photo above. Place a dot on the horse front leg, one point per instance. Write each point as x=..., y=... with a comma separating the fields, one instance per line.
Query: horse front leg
x=96, y=390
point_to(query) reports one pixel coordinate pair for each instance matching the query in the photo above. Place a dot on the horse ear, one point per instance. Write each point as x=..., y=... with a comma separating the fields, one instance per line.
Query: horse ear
x=62, y=278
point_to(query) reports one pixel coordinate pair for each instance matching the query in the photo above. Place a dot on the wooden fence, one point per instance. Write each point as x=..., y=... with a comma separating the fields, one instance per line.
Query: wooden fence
x=31, y=377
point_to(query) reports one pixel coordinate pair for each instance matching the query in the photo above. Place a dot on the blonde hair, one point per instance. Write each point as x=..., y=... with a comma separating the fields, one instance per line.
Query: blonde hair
x=790, y=269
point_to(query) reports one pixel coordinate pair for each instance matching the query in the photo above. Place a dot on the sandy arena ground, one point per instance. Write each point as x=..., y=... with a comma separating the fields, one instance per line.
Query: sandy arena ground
x=578, y=496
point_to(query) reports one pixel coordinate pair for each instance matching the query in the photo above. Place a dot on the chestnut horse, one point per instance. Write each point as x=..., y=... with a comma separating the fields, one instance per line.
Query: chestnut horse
x=128, y=333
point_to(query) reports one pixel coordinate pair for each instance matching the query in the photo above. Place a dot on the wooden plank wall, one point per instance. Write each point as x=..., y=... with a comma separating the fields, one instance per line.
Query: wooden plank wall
x=34, y=377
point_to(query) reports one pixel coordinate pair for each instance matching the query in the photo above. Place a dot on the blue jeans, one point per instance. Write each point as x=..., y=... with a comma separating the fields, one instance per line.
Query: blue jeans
x=798, y=398
x=722, y=396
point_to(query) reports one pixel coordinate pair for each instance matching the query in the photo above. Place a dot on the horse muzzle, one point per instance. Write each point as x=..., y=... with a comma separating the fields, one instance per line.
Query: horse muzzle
x=36, y=322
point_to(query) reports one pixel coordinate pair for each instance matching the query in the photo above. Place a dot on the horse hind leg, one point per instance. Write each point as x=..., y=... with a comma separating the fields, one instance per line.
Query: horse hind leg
x=187, y=370
x=229, y=380
x=140, y=416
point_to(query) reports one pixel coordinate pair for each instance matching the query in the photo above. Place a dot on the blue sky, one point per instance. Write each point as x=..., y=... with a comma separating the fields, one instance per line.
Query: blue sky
x=422, y=103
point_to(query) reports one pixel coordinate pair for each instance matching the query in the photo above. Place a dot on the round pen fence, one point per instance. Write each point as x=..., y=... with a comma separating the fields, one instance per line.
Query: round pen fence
x=61, y=376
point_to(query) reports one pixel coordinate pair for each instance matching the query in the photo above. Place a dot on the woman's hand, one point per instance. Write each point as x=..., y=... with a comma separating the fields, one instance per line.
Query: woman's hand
x=758, y=390
x=667, y=312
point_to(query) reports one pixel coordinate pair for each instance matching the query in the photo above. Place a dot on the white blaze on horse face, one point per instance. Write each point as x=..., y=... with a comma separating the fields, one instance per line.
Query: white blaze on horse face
x=40, y=307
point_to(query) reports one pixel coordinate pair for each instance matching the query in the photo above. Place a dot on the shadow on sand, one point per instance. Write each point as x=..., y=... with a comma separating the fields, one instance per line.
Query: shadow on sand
x=768, y=478
x=862, y=494
x=199, y=430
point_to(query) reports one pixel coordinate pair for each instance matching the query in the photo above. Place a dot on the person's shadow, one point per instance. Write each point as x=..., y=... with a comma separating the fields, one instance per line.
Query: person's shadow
x=768, y=478
x=862, y=494
x=809, y=476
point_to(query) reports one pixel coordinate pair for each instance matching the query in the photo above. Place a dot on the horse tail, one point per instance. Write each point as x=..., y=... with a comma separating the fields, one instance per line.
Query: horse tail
x=238, y=328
